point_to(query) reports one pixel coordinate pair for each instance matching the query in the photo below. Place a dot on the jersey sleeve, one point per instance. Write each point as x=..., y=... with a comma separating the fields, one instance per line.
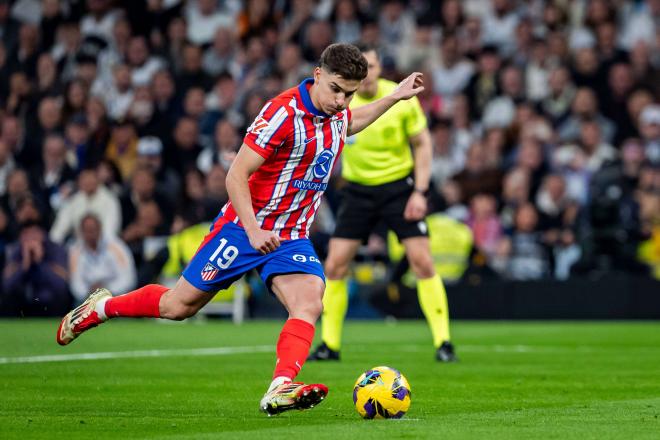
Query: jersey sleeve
x=269, y=129
x=415, y=120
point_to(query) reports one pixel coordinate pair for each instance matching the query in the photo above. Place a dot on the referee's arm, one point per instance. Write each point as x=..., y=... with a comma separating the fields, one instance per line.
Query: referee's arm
x=366, y=114
x=423, y=156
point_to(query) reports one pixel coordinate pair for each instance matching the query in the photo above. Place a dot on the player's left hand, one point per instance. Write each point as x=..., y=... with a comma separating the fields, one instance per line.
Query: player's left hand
x=409, y=87
x=415, y=208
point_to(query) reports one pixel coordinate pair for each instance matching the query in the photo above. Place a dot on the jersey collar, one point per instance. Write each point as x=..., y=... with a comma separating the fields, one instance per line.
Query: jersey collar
x=303, y=88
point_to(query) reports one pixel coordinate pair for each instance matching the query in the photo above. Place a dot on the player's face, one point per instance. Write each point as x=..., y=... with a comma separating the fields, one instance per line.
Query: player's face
x=332, y=93
x=369, y=86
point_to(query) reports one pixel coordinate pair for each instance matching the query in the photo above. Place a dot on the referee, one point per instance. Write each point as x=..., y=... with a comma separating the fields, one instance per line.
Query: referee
x=388, y=181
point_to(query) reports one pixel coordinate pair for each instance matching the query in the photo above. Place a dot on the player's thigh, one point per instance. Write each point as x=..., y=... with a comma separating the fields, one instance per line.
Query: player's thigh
x=294, y=274
x=357, y=214
x=341, y=252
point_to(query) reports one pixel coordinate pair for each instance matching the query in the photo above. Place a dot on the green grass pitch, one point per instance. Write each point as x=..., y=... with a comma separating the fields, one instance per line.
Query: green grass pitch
x=548, y=380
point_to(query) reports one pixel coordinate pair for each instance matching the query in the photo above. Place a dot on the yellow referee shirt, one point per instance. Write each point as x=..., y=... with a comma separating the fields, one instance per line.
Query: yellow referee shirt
x=381, y=152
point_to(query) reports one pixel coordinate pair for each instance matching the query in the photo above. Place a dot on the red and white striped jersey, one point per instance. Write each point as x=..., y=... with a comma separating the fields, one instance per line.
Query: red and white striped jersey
x=300, y=145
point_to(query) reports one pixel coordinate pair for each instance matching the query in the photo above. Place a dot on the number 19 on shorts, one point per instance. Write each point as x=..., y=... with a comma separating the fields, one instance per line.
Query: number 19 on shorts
x=229, y=254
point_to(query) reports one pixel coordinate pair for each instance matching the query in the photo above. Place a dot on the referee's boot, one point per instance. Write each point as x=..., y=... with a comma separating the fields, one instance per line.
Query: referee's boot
x=445, y=353
x=323, y=353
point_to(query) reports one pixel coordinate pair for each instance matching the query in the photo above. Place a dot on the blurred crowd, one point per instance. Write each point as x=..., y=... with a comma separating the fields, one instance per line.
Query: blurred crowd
x=119, y=120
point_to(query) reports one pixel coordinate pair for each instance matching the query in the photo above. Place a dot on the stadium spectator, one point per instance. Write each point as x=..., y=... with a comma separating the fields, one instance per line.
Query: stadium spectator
x=141, y=112
x=150, y=156
x=96, y=261
x=596, y=151
x=291, y=64
x=100, y=20
x=117, y=95
x=35, y=277
x=452, y=74
x=163, y=93
x=448, y=154
x=584, y=106
x=182, y=153
x=216, y=188
x=7, y=165
x=204, y=18
x=143, y=65
x=122, y=147
x=148, y=223
x=500, y=24
x=223, y=152
x=221, y=56
x=53, y=178
x=143, y=189
x=347, y=22
x=485, y=224
x=193, y=199
x=483, y=85
x=476, y=177
x=557, y=103
x=526, y=257
x=191, y=73
x=516, y=189
x=48, y=120
x=18, y=189
x=176, y=40
x=649, y=127
x=92, y=197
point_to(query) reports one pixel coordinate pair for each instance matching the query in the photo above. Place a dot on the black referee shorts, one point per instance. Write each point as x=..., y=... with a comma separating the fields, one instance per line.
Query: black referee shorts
x=363, y=207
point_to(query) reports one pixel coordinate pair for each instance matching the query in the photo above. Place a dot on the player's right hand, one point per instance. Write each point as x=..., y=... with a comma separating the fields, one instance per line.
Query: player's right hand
x=409, y=87
x=264, y=241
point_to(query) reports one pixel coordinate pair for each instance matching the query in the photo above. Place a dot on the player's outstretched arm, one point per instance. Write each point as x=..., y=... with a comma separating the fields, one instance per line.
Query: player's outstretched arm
x=246, y=163
x=365, y=115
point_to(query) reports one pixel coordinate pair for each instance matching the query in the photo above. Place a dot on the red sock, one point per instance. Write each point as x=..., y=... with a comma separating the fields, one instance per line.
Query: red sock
x=293, y=347
x=140, y=303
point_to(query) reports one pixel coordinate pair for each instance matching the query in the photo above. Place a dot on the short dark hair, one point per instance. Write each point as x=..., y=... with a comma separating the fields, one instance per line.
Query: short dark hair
x=344, y=60
x=367, y=47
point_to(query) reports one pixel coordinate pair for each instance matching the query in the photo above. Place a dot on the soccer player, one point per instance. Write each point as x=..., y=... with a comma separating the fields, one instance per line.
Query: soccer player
x=275, y=185
x=386, y=182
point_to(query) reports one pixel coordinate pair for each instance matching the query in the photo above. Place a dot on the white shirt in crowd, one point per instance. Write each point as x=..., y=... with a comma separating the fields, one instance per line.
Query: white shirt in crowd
x=201, y=28
x=111, y=265
x=103, y=203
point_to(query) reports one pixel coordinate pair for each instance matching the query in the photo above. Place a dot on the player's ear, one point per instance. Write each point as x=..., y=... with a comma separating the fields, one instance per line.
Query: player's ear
x=317, y=75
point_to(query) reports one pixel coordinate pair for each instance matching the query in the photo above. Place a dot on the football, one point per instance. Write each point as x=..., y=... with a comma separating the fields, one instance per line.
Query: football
x=382, y=393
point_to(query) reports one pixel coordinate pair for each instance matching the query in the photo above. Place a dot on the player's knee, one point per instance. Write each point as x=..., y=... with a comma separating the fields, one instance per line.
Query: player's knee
x=309, y=305
x=422, y=266
x=335, y=269
x=179, y=312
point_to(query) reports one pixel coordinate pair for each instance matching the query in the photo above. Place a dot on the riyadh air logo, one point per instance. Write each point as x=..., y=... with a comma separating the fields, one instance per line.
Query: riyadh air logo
x=323, y=164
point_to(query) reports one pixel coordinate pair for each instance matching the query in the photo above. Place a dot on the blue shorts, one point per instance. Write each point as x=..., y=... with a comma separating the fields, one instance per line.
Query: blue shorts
x=226, y=254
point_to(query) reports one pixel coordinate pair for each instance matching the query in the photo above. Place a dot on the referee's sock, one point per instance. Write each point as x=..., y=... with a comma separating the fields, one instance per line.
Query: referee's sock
x=335, y=304
x=433, y=301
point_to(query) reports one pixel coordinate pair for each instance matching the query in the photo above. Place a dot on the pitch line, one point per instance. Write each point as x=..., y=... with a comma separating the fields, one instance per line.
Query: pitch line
x=212, y=351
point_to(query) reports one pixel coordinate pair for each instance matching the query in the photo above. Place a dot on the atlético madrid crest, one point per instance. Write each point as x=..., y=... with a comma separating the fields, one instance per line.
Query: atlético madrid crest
x=209, y=272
